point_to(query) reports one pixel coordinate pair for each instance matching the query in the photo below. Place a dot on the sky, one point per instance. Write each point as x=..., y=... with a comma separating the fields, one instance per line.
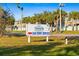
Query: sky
x=33, y=8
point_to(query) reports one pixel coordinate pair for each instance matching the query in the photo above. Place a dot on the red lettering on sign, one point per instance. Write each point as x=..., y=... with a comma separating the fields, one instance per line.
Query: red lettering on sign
x=29, y=32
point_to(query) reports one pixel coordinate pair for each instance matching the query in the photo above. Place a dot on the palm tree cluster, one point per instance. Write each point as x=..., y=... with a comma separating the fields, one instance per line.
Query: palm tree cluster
x=52, y=18
x=5, y=20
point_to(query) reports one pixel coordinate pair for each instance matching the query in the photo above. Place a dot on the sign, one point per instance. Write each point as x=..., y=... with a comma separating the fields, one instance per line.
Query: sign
x=37, y=29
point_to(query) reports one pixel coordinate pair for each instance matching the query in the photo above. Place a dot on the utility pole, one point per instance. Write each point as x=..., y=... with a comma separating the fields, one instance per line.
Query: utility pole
x=21, y=9
x=61, y=5
x=21, y=17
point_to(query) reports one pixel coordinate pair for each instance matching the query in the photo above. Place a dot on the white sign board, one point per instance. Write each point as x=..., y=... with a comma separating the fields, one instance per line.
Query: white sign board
x=37, y=30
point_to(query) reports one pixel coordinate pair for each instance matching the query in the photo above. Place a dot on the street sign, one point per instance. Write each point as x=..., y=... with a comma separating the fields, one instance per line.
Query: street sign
x=37, y=30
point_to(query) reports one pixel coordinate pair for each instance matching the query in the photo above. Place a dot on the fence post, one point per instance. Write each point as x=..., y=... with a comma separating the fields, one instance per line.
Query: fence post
x=66, y=41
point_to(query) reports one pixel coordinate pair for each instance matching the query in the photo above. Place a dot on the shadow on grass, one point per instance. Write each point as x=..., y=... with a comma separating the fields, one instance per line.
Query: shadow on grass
x=34, y=50
x=15, y=34
x=42, y=40
x=66, y=51
x=70, y=38
x=49, y=49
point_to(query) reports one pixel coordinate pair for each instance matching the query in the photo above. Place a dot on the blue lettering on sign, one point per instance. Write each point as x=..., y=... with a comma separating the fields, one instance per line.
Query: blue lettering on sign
x=39, y=28
x=39, y=33
x=45, y=33
x=34, y=33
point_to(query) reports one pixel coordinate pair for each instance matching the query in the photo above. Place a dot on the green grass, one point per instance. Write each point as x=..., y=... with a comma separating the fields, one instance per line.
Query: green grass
x=17, y=31
x=70, y=32
x=66, y=32
x=18, y=46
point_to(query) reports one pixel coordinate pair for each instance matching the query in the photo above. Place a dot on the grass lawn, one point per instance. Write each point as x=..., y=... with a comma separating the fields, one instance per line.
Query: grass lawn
x=66, y=32
x=18, y=46
x=70, y=32
x=17, y=31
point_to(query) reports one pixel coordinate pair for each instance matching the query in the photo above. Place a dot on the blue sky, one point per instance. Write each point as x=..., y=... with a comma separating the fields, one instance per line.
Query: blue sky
x=33, y=8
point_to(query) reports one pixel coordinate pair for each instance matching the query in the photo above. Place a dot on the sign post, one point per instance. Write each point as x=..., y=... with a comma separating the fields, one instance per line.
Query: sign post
x=29, y=39
x=47, y=39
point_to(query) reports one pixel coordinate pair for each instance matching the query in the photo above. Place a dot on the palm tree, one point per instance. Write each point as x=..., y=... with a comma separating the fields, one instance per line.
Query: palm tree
x=5, y=19
x=2, y=21
x=57, y=15
x=38, y=17
x=49, y=19
x=56, y=18
x=45, y=17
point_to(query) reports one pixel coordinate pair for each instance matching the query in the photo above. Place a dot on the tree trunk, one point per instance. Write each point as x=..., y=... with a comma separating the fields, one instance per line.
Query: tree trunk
x=73, y=25
x=2, y=27
x=51, y=28
x=1, y=31
x=76, y=27
x=57, y=25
